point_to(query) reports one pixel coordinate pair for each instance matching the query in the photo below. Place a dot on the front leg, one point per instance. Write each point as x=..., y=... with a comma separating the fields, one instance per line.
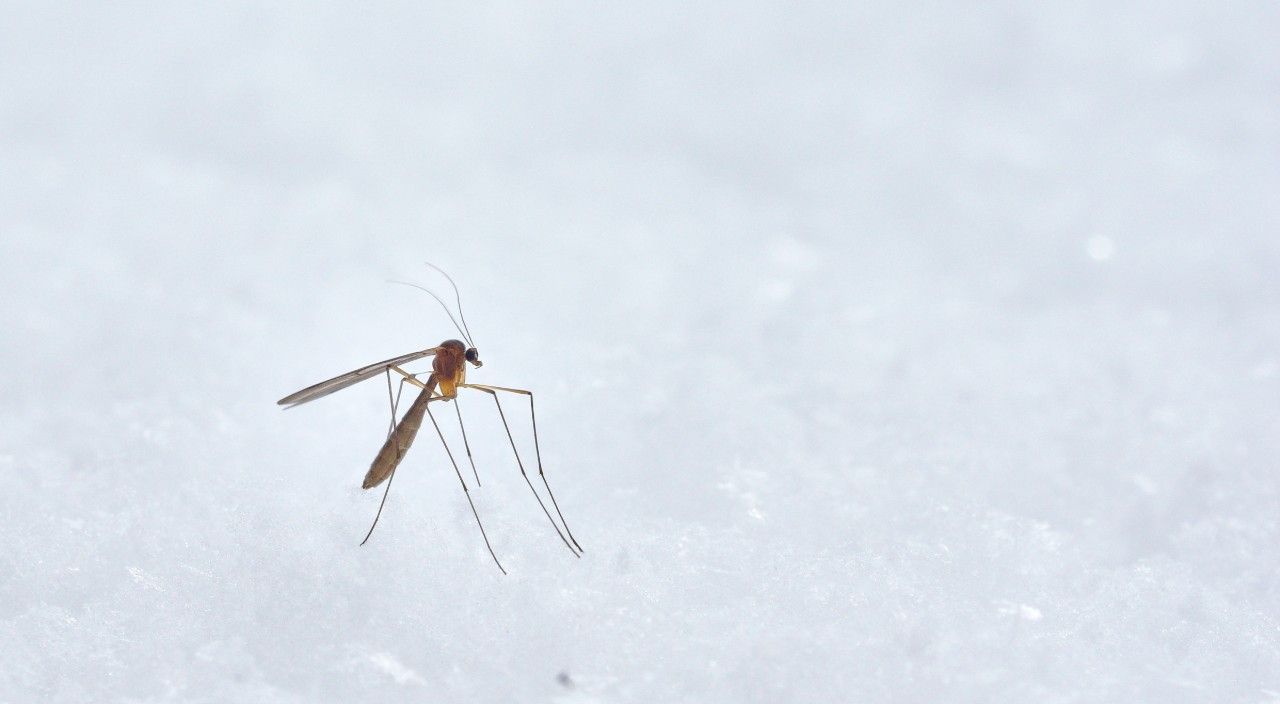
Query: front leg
x=489, y=389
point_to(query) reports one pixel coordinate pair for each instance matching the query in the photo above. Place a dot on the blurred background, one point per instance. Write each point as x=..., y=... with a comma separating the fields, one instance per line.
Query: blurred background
x=889, y=352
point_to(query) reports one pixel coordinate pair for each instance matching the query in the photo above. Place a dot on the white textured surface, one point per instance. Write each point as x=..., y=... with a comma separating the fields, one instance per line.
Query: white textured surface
x=899, y=353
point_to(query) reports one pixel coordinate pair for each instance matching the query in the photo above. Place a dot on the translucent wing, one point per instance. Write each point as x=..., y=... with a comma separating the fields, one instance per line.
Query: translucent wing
x=342, y=381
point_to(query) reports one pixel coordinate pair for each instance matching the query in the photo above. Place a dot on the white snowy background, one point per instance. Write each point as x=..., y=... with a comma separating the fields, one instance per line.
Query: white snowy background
x=906, y=352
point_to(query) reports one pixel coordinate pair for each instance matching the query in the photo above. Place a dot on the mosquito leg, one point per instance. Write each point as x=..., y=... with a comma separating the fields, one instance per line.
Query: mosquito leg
x=410, y=378
x=537, y=450
x=464, y=489
x=395, y=404
x=458, y=408
x=538, y=453
x=378, y=515
x=520, y=463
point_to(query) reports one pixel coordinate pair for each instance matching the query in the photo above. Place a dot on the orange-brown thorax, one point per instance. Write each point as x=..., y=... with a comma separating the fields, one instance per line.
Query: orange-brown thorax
x=450, y=367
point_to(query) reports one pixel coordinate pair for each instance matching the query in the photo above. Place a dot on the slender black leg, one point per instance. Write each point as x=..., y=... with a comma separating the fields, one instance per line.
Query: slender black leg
x=465, y=490
x=538, y=453
x=520, y=464
x=534, y=418
x=466, y=444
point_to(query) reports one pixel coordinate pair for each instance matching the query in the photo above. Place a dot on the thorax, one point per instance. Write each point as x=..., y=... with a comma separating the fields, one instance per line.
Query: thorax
x=450, y=367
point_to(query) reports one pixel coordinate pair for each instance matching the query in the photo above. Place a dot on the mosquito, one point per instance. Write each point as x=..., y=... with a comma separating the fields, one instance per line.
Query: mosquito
x=448, y=375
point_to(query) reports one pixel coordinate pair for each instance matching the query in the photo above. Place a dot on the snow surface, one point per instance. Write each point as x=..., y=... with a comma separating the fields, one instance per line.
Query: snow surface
x=908, y=352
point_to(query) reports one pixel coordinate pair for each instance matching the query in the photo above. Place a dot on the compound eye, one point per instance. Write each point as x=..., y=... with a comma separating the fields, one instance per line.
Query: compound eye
x=472, y=354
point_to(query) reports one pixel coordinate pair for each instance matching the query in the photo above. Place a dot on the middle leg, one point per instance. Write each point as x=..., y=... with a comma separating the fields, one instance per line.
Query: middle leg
x=465, y=491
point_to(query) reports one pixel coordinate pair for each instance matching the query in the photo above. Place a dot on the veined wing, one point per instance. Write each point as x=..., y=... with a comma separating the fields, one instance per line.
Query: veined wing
x=342, y=381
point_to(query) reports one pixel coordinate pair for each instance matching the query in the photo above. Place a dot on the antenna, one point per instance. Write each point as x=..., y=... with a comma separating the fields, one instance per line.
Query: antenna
x=457, y=297
x=442, y=305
